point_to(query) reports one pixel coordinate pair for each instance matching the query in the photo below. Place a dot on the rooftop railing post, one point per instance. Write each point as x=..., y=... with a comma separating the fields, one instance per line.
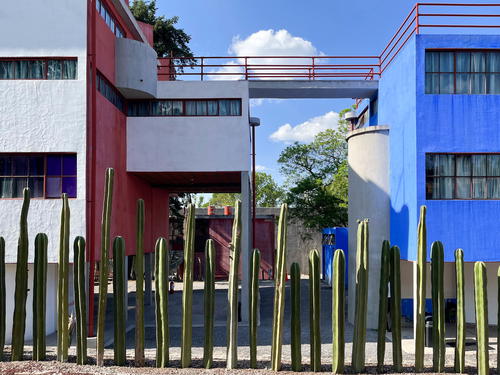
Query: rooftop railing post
x=246, y=68
x=313, y=71
x=417, y=18
x=201, y=71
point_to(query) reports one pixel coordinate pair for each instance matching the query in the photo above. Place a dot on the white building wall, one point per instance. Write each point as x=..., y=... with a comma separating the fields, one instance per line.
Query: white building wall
x=191, y=143
x=41, y=116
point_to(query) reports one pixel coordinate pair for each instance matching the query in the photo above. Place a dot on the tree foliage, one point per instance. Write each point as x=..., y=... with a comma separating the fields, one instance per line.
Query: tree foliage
x=317, y=178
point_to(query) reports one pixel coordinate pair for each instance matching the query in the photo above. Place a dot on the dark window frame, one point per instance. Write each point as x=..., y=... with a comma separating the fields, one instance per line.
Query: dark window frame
x=184, y=101
x=45, y=61
x=107, y=89
x=117, y=29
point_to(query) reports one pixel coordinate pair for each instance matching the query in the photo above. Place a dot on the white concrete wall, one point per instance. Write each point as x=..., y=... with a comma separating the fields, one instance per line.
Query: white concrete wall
x=43, y=116
x=188, y=144
x=368, y=158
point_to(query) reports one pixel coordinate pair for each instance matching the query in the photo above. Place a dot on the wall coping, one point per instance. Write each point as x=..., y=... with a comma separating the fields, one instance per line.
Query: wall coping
x=368, y=129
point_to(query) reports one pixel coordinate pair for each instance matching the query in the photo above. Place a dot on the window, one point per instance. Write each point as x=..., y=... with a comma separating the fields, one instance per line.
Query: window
x=110, y=92
x=47, y=176
x=462, y=72
x=462, y=176
x=185, y=107
x=112, y=23
x=41, y=68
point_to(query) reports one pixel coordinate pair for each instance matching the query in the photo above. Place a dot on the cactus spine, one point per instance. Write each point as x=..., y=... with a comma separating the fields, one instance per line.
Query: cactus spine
x=460, y=343
x=187, y=293
x=39, y=297
x=481, y=301
x=437, y=276
x=21, y=290
x=420, y=318
x=103, y=269
x=314, y=310
x=383, y=305
x=279, y=290
x=62, y=286
x=3, y=307
x=338, y=312
x=162, y=354
x=209, y=301
x=119, y=295
x=80, y=300
x=359, y=337
x=254, y=307
x=139, y=285
x=232, y=294
x=295, y=318
x=395, y=282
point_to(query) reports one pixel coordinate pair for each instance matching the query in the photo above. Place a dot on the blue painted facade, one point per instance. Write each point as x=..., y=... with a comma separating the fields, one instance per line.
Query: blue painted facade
x=421, y=123
x=341, y=242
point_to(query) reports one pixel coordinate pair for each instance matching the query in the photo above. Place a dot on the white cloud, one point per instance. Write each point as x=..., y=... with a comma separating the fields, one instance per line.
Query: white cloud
x=260, y=168
x=259, y=101
x=306, y=131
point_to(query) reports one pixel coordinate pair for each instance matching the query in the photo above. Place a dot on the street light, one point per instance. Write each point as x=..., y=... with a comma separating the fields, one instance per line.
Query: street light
x=254, y=122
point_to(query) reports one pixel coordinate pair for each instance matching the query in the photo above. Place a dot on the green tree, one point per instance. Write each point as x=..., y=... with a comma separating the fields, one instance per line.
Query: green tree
x=268, y=193
x=317, y=178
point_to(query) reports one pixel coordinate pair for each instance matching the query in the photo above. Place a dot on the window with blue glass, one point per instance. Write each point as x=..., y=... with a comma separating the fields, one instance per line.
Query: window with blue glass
x=462, y=72
x=47, y=176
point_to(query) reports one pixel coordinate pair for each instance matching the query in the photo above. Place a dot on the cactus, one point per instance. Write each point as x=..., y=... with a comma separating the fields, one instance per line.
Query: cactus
x=158, y=320
x=103, y=267
x=119, y=296
x=39, y=297
x=209, y=302
x=314, y=310
x=361, y=301
x=338, y=312
x=187, y=293
x=80, y=300
x=139, y=285
x=498, y=317
x=279, y=290
x=62, y=284
x=383, y=305
x=481, y=302
x=295, y=318
x=460, y=343
x=420, y=312
x=395, y=282
x=254, y=307
x=437, y=276
x=232, y=294
x=3, y=306
x=161, y=280
x=21, y=289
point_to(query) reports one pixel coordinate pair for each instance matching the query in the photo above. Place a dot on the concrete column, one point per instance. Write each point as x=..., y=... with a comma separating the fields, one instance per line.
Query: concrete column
x=246, y=235
x=148, y=279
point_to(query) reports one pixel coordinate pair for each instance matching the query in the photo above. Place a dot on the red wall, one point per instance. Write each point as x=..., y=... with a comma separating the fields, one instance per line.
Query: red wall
x=147, y=29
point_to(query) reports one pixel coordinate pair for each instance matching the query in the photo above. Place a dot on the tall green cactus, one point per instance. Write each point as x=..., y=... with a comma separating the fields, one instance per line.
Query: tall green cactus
x=161, y=280
x=187, y=293
x=295, y=331
x=232, y=293
x=119, y=296
x=39, y=297
x=63, y=284
x=80, y=299
x=279, y=290
x=361, y=301
x=21, y=289
x=158, y=321
x=395, y=282
x=437, y=276
x=209, y=302
x=481, y=301
x=460, y=343
x=498, y=320
x=383, y=304
x=139, y=285
x=3, y=306
x=338, y=312
x=421, y=265
x=254, y=307
x=314, y=310
x=103, y=267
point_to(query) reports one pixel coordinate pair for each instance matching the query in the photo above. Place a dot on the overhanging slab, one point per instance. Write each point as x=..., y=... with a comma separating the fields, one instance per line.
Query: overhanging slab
x=305, y=89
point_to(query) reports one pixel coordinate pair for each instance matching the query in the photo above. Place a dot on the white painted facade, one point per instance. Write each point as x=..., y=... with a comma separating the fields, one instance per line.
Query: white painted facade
x=42, y=116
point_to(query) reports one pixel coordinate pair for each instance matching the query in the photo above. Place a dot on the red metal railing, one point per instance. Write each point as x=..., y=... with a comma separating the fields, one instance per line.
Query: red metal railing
x=423, y=16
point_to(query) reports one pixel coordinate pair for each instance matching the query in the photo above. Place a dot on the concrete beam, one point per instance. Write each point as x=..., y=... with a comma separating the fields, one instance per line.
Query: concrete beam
x=305, y=89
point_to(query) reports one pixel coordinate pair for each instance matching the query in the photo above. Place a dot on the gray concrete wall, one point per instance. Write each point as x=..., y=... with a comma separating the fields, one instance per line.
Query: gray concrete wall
x=368, y=158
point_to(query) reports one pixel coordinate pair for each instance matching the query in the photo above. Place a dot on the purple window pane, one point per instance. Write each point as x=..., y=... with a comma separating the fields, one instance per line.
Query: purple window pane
x=20, y=165
x=53, y=165
x=69, y=165
x=69, y=186
x=36, y=166
x=36, y=187
x=5, y=166
x=53, y=187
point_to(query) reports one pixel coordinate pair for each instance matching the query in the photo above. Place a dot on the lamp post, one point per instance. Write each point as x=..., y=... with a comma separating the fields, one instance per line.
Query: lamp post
x=254, y=122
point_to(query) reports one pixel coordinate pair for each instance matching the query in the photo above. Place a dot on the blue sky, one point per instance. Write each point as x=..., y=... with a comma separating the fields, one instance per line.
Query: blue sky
x=331, y=27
